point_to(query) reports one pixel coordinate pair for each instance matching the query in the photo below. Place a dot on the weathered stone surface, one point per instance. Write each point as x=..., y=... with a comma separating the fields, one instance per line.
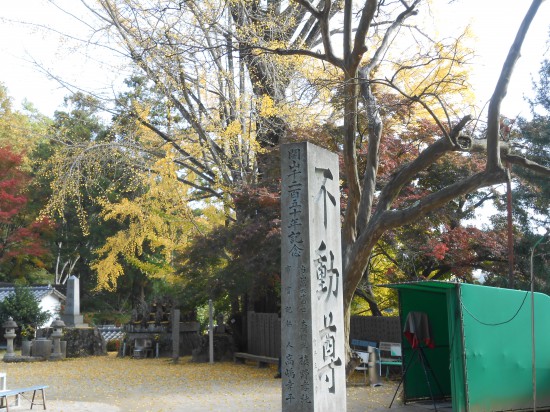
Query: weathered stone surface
x=189, y=326
x=175, y=334
x=224, y=348
x=188, y=342
x=71, y=314
x=312, y=327
x=72, y=306
x=81, y=342
x=41, y=348
x=26, y=348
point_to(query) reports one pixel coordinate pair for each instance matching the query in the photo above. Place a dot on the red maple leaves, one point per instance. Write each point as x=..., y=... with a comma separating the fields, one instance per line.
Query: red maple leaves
x=22, y=236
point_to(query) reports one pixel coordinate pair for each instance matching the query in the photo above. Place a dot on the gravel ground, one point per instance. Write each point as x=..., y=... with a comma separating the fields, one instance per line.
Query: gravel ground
x=111, y=384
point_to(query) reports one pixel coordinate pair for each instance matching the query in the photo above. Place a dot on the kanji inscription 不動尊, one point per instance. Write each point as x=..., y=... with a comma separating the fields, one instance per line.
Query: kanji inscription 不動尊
x=312, y=346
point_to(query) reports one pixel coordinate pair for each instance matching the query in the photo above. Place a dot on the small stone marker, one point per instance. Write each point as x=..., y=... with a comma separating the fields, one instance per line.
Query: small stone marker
x=312, y=326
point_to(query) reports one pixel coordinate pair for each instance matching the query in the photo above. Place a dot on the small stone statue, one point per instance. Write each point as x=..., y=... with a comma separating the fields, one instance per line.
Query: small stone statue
x=159, y=315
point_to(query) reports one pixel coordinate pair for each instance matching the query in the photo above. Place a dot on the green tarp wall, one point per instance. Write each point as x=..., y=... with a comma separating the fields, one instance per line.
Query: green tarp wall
x=483, y=352
x=439, y=301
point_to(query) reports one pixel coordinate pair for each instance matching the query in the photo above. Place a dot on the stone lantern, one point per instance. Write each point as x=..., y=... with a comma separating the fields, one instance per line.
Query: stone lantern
x=9, y=326
x=57, y=326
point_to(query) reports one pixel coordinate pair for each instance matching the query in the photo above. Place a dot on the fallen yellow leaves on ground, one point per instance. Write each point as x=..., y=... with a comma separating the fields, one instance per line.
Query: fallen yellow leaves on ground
x=121, y=381
x=158, y=385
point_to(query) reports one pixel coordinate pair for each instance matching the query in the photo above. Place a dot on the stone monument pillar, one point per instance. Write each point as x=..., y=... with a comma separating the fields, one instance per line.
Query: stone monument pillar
x=312, y=325
x=71, y=315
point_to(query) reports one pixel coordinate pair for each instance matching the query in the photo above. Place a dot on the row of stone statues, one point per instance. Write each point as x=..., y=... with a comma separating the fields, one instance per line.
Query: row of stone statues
x=145, y=313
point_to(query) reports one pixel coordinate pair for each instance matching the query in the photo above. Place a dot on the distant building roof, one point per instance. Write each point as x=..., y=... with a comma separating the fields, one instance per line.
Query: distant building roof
x=37, y=291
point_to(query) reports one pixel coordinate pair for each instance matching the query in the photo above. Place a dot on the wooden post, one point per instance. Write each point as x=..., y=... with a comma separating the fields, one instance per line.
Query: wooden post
x=211, y=331
x=175, y=335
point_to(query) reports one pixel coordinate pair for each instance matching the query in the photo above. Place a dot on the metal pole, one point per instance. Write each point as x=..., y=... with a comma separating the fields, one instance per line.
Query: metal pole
x=211, y=331
x=533, y=354
x=510, y=228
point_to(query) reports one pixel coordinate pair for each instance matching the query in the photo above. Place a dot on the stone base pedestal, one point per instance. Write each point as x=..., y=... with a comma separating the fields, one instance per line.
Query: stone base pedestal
x=78, y=342
x=76, y=321
x=41, y=348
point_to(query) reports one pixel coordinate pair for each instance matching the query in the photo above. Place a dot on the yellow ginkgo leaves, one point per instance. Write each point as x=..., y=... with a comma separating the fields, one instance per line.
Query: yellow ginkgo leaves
x=156, y=226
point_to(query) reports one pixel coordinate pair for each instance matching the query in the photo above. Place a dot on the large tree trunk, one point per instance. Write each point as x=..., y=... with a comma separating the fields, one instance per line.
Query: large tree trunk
x=369, y=297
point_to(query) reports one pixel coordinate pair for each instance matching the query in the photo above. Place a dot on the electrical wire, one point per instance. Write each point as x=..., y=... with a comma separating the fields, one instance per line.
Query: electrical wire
x=499, y=323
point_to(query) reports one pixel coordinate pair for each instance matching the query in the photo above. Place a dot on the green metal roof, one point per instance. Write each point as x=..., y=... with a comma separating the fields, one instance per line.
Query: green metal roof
x=422, y=285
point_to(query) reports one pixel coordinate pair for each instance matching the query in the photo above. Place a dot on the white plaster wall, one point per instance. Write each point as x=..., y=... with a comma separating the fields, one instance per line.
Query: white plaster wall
x=52, y=304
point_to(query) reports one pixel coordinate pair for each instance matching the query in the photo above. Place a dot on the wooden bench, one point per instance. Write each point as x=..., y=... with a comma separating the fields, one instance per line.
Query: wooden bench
x=262, y=360
x=20, y=392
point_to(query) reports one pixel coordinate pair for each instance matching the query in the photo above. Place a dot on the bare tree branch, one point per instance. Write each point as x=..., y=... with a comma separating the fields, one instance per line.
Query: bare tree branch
x=493, y=117
x=528, y=164
x=375, y=121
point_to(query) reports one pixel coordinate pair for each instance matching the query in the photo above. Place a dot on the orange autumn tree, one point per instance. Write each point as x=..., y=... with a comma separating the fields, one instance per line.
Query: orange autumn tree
x=156, y=226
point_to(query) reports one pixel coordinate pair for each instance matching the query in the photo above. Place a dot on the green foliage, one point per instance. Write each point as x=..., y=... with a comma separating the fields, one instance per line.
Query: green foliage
x=75, y=168
x=19, y=130
x=113, y=345
x=24, y=239
x=108, y=317
x=532, y=191
x=531, y=194
x=23, y=308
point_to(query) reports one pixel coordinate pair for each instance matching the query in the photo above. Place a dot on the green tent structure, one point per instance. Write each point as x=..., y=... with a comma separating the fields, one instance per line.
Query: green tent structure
x=482, y=358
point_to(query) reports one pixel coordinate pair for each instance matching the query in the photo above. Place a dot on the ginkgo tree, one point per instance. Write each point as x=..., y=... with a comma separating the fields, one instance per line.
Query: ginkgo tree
x=201, y=87
x=192, y=93
x=70, y=193
x=267, y=66
x=157, y=225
